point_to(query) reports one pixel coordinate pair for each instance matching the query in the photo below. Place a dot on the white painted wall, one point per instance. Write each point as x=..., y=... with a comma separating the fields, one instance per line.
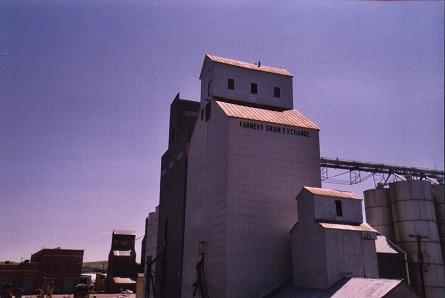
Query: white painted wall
x=325, y=210
x=206, y=204
x=349, y=254
x=308, y=247
x=241, y=193
x=150, y=244
x=321, y=257
x=219, y=73
x=266, y=172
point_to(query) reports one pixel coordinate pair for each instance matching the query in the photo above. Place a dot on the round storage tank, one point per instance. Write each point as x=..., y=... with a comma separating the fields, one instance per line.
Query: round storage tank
x=378, y=211
x=413, y=214
x=439, y=203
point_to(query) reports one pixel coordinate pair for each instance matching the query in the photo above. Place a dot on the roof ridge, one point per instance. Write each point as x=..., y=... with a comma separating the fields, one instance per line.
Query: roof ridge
x=248, y=65
x=291, y=118
x=331, y=192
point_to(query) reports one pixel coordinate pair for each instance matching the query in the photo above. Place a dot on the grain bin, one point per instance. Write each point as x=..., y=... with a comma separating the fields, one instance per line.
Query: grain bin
x=439, y=203
x=414, y=214
x=378, y=211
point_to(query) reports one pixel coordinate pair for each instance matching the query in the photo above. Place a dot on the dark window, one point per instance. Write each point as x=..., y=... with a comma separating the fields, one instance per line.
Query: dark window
x=276, y=92
x=253, y=88
x=231, y=84
x=208, y=111
x=338, y=208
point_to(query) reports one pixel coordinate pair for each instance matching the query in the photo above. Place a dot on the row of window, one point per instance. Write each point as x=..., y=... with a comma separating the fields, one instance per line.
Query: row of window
x=253, y=88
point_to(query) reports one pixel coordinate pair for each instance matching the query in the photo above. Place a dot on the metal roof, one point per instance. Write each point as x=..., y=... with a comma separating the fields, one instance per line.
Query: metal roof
x=364, y=227
x=251, y=66
x=382, y=246
x=366, y=287
x=288, y=117
x=123, y=280
x=344, y=288
x=122, y=253
x=332, y=193
x=123, y=232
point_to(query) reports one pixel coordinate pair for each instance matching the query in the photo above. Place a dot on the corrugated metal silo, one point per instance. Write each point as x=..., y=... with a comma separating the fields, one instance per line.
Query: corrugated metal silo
x=378, y=211
x=414, y=214
x=439, y=203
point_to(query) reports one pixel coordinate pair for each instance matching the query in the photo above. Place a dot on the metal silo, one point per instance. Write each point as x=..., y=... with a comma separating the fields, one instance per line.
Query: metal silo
x=439, y=203
x=416, y=231
x=378, y=211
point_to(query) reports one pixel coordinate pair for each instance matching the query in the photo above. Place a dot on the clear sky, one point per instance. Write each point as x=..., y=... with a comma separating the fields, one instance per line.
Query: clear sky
x=85, y=90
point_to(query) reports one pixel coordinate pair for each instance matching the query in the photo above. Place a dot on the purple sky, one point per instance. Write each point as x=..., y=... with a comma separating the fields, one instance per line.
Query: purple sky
x=85, y=89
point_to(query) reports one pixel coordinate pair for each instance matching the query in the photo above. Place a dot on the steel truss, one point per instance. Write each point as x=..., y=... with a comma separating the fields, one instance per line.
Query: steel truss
x=382, y=174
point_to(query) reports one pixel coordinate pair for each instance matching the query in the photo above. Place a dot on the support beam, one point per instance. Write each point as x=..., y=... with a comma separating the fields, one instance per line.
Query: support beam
x=380, y=168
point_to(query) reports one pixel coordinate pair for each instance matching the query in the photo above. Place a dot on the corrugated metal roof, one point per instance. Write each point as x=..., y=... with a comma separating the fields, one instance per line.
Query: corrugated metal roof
x=364, y=227
x=366, y=287
x=123, y=280
x=122, y=253
x=332, y=193
x=382, y=245
x=123, y=232
x=251, y=66
x=288, y=117
x=345, y=288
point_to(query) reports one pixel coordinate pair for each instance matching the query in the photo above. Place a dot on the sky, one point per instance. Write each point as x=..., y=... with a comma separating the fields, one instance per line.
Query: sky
x=86, y=86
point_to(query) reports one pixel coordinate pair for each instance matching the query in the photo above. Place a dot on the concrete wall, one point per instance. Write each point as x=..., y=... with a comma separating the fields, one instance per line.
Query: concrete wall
x=325, y=210
x=218, y=74
x=413, y=213
x=378, y=211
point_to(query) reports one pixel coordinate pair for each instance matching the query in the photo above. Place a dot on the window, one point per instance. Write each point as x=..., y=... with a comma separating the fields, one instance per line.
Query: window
x=231, y=84
x=338, y=208
x=253, y=88
x=276, y=92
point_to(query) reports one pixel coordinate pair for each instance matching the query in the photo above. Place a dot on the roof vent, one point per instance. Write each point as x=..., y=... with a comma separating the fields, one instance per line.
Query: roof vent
x=259, y=63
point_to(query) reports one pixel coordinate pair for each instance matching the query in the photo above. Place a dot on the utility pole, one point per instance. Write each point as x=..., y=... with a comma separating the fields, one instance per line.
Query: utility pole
x=420, y=260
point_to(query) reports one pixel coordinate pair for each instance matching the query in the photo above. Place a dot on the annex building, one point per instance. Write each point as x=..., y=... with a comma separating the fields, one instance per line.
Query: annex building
x=242, y=212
